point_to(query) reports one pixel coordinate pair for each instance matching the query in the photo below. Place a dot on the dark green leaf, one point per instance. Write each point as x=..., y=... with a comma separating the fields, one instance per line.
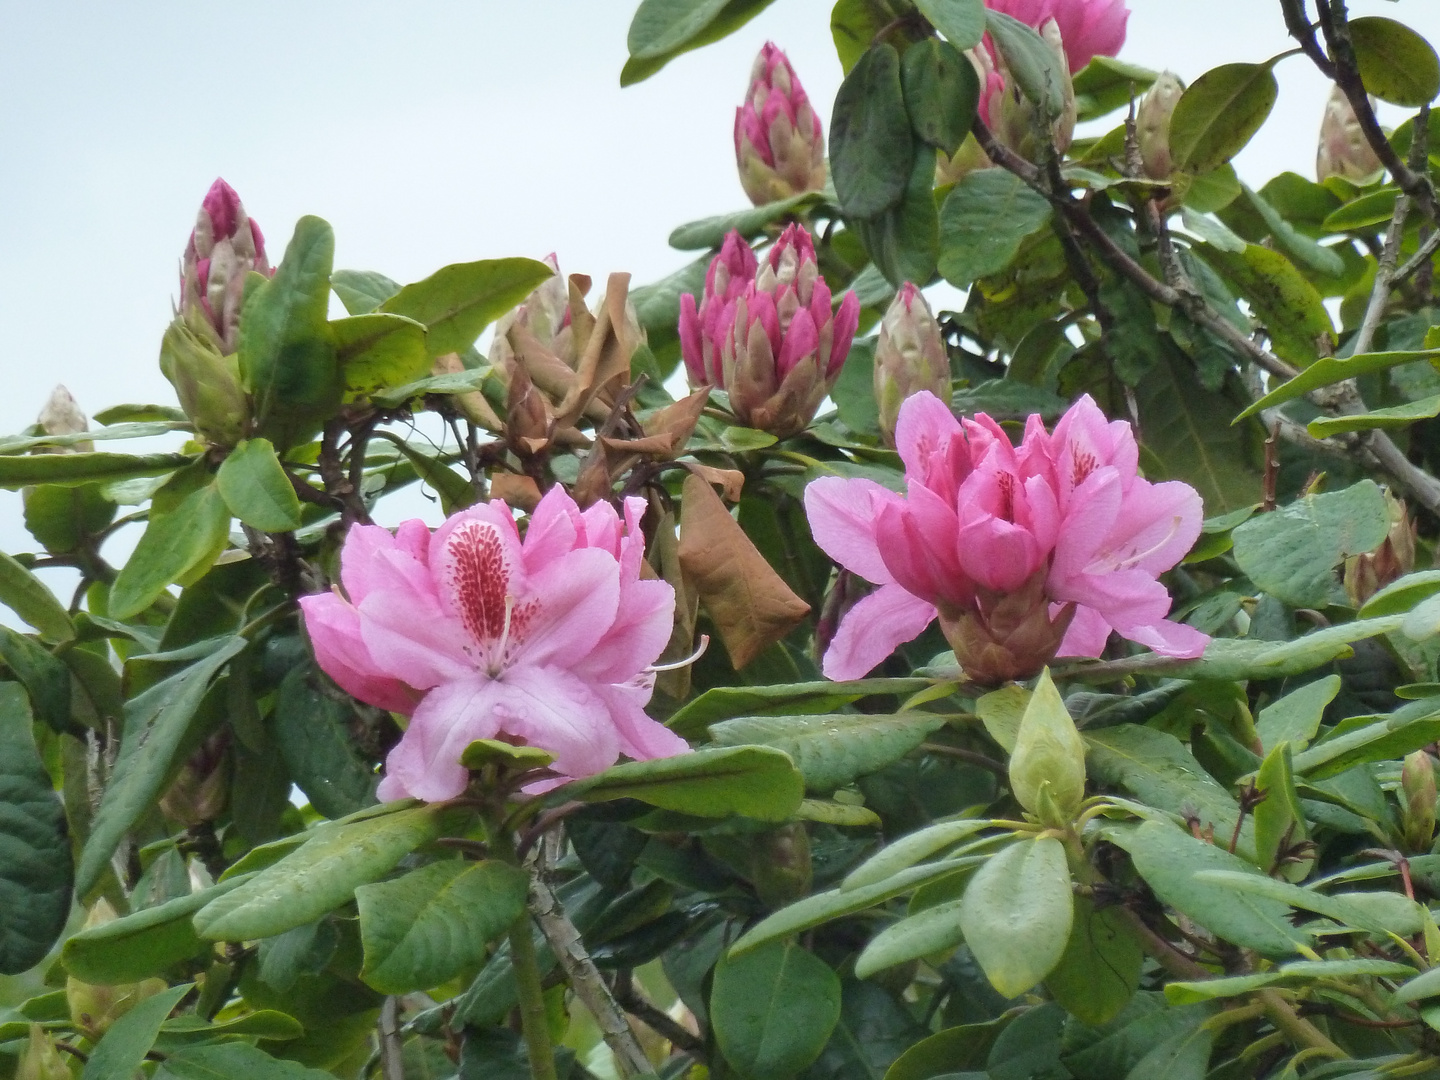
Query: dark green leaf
x=457, y=302
x=1100, y=970
x=711, y=232
x=961, y=21
x=255, y=488
x=46, y=678
x=1107, y=84
x=1396, y=64
x=690, y=24
x=1219, y=113
x=873, y=1031
x=36, y=872
x=1363, y=214
x=178, y=545
x=63, y=518
x=26, y=595
x=791, y=699
x=871, y=148
x=156, y=725
x=903, y=241
x=22, y=470
x=1300, y=247
x=941, y=92
x=1292, y=553
x=983, y=222
x=428, y=926
x=1330, y=370
x=228, y=1060
x=772, y=1010
x=1033, y=64
x=1290, y=308
x=318, y=876
x=312, y=730
x=753, y=781
x=454, y=490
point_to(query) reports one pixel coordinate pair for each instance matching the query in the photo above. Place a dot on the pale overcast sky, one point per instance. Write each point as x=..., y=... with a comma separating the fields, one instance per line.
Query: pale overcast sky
x=427, y=133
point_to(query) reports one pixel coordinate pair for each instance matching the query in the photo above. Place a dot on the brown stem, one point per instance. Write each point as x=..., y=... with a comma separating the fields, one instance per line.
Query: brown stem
x=392, y=1060
x=664, y=1025
x=1165, y=954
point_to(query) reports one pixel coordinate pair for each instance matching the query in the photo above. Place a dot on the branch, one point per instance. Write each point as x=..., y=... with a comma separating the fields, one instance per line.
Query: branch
x=570, y=950
x=392, y=1061
x=656, y=1020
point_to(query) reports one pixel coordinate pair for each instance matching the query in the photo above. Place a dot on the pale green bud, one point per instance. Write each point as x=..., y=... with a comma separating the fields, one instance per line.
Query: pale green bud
x=41, y=1061
x=1152, y=124
x=206, y=382
x=1047, y=767
x=1417, y=810
x=910, y=356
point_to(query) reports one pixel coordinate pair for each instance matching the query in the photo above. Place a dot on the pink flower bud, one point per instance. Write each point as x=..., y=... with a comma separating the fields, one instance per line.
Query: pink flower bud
x=1090, y=28
x=772, y=343
x=1343, y=149
x=1152, y=124
x=1012, y=117
x=224, y=246
x=779, y=146
x=909, y=357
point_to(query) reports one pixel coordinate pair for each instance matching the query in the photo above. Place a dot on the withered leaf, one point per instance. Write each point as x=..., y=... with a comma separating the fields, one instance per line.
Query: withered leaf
x=515, y=489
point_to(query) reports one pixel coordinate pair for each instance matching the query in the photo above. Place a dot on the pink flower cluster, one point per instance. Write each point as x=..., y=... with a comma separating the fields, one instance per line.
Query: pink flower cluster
x=478, y=635
x=1024, y=553
x=765, y=332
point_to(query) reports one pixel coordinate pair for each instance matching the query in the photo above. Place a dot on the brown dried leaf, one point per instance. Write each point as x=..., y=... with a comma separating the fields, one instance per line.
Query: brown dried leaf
x=515, y=489
x=662, y=445
x=750, y=604
x=529, y=424
x=730, y=480
x=679, y=419
x=607, y=353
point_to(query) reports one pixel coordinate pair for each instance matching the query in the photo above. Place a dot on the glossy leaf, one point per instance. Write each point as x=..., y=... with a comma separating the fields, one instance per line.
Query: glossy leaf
x=1396, y=64
x=941, y=90
x=36, y=871
x=903, y=241
x=910, y=849
x=927, y=932
x=1016, y=913
x=227, y=1060
x=1295, y=717
x=983, y=222
x=1330, y=370
x=1100, y=969
x=772, y=1010
x=1032, y=63
x=178, y=543
x=832, y=750
x=663, y=29
x=157, y=725
x=380, y=349
x=457, y=302
x=1219, y=113
x=783, y=699
x=753, y=781
x=255, y=488
x=871, y=147
x=961, y=21
x=21, y=470
x=424, y=928
x=319, y=876
x=311, y=729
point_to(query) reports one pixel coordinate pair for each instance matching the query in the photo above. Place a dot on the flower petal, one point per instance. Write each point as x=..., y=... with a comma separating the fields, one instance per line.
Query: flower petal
x=843, y=518
x=552, y=709
x=425, y=763
x=1170, y=639
x=641, y=738
x=569, y=606
x=873, y=629
x=1087, y=635
x=924, y=427
x=644, y=619
x=334, y=629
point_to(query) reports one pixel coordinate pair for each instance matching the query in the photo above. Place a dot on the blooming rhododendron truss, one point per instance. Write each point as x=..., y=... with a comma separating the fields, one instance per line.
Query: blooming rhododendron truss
x=479, y=635
x=1023, y=553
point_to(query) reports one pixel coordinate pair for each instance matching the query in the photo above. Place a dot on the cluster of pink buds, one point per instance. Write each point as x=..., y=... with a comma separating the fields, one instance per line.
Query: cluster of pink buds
x=779, y=146
x=764, y=331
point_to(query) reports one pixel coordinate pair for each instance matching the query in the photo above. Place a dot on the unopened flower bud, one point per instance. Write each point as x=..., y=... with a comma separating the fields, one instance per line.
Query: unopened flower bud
x=224, y=247
x=1368, y=573
x=61, y=415
x=41, y=1060
x=206, y=382
x=1047, y=766
x=1417, y=809
x=779, y=147
x=1013, y=118
x=202, y=789
x=94, y=1008
x=1344, y=151
x=1006, y=636
x=775, y=346
x=910, y=356
x=1152, y=124
x=781, y=867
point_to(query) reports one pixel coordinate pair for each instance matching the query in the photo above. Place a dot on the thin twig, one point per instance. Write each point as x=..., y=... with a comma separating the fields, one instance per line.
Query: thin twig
x=658, y=1021
x=392, y=1059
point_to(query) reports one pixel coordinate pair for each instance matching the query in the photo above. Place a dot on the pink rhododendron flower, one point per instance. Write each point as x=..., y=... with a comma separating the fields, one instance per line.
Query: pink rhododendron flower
x=479, y=635
x=773, y=343
x=1023, y=553
x=1089, y=28
x=779, y=144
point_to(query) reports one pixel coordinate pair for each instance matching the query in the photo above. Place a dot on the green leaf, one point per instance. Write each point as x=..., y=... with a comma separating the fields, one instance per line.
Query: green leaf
x=1396, y=416
x=1292, y=553
x=1282, y=892
x=263, y=1023
x=312, y=730
x=362, y=291
x=1295, y=717
x=459, y=301
x=1159, y=770
x=319, y=876
x=941, y=91
x=772, y=1010
x=1402, y=594
x=45, y=678
x=1106, y=84
x=255, y=488
x=1047, y=765
x=1364, y=213
x=157, y=724
x=1330, y=370
x=14, y=444
x=1032, y=62
x=710, y=232
x=1183, y=1056
x=1421, y=986
x=963, y=1048
x=1283, y=300
x=961, y=21
x=451, y=382
x=428, y=926
x=933, y=930
x=178, y=544
x=1100, y=970
x=1219, y=113
x=1407, y=729
x=1279, y=821
x=1396, y=64
x=911, y=849
x=1231, y=660
x=455, y=491
x=287, y=348
x=1300, y=247
x=1016, y=914
x=785, y=699
x=22, y=470
x=144, y=943
x=753, y=781
x=64, y=518
x=228, y=1060
x=832, y=750
x=871, y=148
x=874, y=1029
x=36, y=871
x=129, y=1039
x=903, y=241
x=1178, y=418
x=26, y=595
x=1171, y=861
x=984, y=220
x=379, y=350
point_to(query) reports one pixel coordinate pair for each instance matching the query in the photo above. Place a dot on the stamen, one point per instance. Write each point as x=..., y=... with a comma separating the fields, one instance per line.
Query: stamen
x=1127, y=563
x=497, y=657
x=699, y=652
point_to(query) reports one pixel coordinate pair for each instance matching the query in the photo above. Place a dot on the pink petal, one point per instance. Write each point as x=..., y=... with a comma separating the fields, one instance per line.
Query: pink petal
x=551, y=708
x=801, y=340
x=847, y=321
x=924, y=427
x=1157, y=527
x=997, y=554
x=1087, y=634
x=372, y=558
x=690, y=340
x=1170, y=639
x=873, y=629
x=641, y=738
x=334, y=630
x=569, y=607
x=425, y=764
x=843, y=518
x=1092, y=513
x=643, y=622
x=554, y=528
x=405, y=641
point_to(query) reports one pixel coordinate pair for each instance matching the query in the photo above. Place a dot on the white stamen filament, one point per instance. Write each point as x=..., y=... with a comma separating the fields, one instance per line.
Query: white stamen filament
x=1100, y=566
x=497, y=657
x=699, y=652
